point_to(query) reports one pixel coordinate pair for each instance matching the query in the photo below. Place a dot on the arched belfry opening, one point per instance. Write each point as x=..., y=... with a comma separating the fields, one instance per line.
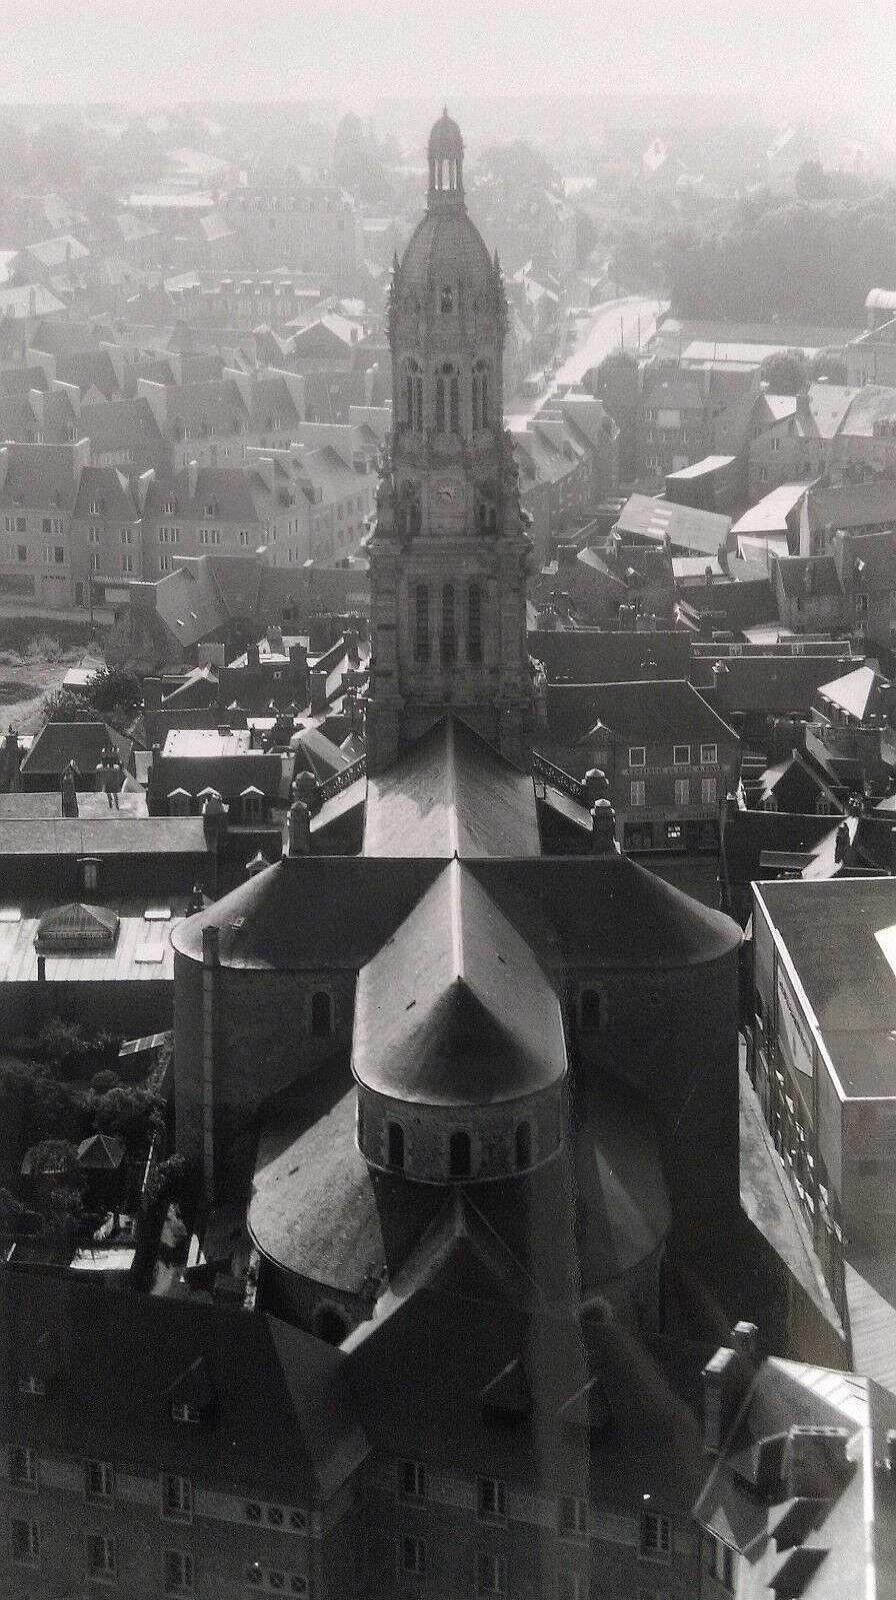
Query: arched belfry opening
x=446, y=162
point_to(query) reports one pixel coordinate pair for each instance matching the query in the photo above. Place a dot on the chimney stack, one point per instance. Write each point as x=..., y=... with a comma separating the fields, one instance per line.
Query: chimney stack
x=603, y=828
x=726, y=1381
x=152, y=694
x=318, y=692
x=815, y=1462
x=299, y=829
x=596, y=787
x=211, y=947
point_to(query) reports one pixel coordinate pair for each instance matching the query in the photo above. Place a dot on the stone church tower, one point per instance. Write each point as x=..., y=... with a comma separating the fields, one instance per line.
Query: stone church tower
x=448, y=559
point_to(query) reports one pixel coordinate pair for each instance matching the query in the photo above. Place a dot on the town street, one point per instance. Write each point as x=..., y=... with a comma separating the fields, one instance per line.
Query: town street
x=614, y=322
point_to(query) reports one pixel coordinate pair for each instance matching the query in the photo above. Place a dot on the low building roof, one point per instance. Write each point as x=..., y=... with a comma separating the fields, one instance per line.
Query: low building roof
x=110, y=835
x=139, y=951
x=838, y=934
x=705, y=468
x=690, y=529
x=771, y=514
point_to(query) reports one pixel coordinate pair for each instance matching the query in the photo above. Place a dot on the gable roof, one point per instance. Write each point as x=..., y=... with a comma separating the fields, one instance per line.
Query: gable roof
x=282, y=1422
x=852, y=693
x=58, y=743
x=652, y=711
x=451, y=794
x=774, y=512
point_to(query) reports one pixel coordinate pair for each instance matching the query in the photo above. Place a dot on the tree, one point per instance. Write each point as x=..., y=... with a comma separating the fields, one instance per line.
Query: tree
x=132, y=1115
x=828, y=364
x=785, y=372
x=66, y=706
x=63, y=1217
x=53, y=1158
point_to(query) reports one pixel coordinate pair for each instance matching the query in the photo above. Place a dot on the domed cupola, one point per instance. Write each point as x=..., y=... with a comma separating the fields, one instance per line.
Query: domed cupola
x=459, y=1051
x=446, y=163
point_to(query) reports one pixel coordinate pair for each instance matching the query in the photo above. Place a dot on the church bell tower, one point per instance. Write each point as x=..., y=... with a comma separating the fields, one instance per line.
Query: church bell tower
x=449, y=555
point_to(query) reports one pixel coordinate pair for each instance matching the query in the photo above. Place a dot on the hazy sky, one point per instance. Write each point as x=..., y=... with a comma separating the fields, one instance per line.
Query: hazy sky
x=788, y=54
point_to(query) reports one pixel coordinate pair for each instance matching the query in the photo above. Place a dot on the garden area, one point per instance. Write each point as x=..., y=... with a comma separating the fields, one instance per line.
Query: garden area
x=33, y=664
x=82, y=1146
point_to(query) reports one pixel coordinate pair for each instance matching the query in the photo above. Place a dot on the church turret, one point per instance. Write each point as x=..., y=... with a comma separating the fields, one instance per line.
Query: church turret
x=449, y=553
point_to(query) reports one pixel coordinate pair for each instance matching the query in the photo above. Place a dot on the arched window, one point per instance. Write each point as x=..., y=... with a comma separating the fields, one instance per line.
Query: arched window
x=523, y=1146
x=421, y=631
x=413, y=398
x=474, y=624
x=480, y=396
x=440, y=404
x=459, y=1155
x=395, y=1147
x=589, y=1012
x=321, y=1015
x=446, y=300
x=449, y=626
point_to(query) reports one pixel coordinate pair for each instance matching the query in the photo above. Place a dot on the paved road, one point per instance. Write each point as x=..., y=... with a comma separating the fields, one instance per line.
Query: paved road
x=609, y=324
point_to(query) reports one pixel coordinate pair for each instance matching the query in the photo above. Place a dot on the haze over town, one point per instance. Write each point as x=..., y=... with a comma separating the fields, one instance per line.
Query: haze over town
x=447, y=799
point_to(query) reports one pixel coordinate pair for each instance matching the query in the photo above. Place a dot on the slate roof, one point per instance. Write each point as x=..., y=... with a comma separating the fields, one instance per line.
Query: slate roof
x=58, y=743
x=849, y=505
x=775, y=685
x=647, y=711
x=455, y=1009
x=451, y=793
x=282, y=1424
x=310, y=912
x=595, y=655
x=819, y=1545
x=639, y=1415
